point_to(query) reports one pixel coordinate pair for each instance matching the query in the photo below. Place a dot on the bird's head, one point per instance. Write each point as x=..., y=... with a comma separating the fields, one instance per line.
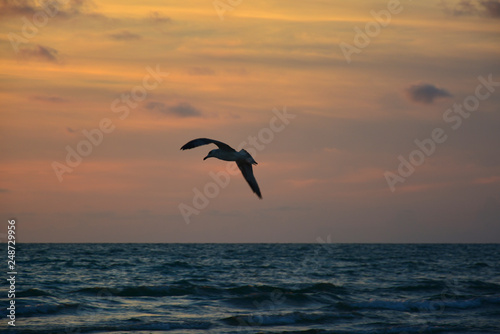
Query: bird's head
x=210, y=154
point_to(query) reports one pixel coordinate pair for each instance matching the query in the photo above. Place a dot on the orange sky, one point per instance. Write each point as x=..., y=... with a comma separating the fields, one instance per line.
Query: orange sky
x=162, y=73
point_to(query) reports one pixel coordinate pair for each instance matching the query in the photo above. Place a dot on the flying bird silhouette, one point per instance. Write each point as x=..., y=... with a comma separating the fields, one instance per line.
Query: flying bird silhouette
x=225, y=152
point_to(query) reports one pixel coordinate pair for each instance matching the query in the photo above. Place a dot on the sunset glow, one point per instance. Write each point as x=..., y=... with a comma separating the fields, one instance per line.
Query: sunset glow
x=123, y=85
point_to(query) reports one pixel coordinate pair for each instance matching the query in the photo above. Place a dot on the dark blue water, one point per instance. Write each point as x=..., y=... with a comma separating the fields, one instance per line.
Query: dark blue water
x=256, y=288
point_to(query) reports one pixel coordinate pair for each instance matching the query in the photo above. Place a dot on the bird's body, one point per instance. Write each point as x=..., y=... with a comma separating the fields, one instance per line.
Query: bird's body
x=224, y=155
x=225, y=152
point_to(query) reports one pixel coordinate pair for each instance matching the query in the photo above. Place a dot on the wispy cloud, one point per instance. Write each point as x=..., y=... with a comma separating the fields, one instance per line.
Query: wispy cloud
x=19, y=7
x=182, y=109
x=426, y=93
x=65, y=8
x=158, y=17
x=52, y=99
x=159, y=21
x=124, y=35
x=237, y=71
x=492, y=7
x=197, y=70
x=40, y=53
x=489, y=8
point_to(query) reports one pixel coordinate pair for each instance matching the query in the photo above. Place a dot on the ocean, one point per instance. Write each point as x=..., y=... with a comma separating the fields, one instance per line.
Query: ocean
x=255, y=288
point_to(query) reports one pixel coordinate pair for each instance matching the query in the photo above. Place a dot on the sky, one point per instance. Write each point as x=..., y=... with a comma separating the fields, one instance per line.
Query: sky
x=371, y=121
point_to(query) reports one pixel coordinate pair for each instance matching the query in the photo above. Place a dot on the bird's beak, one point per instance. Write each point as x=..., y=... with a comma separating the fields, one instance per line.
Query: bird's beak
x=205, y=158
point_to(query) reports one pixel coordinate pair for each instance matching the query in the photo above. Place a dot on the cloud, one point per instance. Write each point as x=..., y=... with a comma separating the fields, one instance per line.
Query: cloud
x=53, y=8
x=425, y=93
x=492, y=7
x=157, y=17
x=237, y=71
x=158, y=21
x=124, y=35
x=40, y=53
x=489, y=8
x=196, y=70
x=52, y=99
x=70, y=130
x=4, y=190
x=19, y=7
x=182, y=109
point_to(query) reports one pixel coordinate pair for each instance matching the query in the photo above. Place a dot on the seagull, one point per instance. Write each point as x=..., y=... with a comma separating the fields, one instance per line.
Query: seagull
x=225, y=152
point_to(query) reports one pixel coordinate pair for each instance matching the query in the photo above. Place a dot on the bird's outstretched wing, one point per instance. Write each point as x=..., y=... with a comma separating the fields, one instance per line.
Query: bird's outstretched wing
x=204, y=141
x=246, y=170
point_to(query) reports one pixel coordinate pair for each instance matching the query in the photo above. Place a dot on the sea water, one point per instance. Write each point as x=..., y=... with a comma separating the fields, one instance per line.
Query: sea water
x=255, y=288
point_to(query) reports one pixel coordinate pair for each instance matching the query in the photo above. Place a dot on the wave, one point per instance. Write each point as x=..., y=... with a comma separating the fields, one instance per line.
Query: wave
x=484, y=286
x=122, y=326
x=479, y=265
x=251, y=289
x=266, y=296
x=33, y=293
x=425, y=305
x=139, y=291
x=184, y=287
x=309, y=288
x=296, y=318
x=323, y=287
x=45, y=308
x=178, y=264
x=425, y=285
